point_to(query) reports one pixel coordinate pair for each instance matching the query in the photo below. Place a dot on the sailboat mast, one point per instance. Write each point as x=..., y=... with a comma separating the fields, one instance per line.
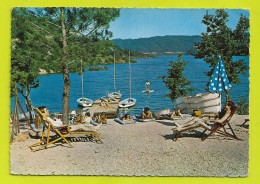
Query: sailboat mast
x=129, y=74
x=114, y=71
x=82, y=80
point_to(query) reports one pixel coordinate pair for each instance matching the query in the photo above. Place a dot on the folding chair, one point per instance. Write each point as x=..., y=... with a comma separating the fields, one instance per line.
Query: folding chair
x=219, y=127
x=188, y=127
x=62, y=132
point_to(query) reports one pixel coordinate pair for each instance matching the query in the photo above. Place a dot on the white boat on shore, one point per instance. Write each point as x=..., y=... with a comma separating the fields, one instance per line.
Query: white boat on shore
x=213, y=109
x=205, y=102
x=197, y=98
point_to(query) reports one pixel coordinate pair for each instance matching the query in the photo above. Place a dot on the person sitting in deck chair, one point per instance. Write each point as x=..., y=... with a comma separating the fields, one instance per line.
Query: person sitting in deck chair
x=58, y=122
x=229, y=106
x=88, y=119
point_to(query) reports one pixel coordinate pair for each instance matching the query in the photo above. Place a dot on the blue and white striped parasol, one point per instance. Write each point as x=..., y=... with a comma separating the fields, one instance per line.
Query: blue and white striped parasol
x=219, y=81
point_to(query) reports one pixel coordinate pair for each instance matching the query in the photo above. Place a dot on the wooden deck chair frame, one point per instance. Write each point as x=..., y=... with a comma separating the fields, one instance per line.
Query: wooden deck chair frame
x=188, y=128
x=94, y=135
x=46, y=141
x=215, y=129
x=218, y=126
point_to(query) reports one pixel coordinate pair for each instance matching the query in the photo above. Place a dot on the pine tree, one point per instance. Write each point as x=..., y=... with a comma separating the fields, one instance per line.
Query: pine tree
x=178, y=84
x=220, y=40
x=69, y=35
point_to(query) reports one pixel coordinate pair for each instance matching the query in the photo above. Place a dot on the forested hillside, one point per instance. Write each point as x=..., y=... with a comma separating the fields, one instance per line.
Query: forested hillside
x=160, y=44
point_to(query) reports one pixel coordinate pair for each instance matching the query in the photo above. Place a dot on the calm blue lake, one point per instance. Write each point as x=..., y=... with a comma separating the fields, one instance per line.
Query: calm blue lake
x=97, y=83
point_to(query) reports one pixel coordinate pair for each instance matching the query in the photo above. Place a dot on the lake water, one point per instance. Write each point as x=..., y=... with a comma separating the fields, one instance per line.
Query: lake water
x=97, y=83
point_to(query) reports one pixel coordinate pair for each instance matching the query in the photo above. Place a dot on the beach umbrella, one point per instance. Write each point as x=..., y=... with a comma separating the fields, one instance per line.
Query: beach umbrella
x=219, y=81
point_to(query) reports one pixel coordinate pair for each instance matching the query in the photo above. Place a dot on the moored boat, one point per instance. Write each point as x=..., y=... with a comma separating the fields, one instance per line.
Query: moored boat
x=129, y=102
x=84, y=102
x=197, y=98
x=114, y=95
x=212, y=109
x=205, y=103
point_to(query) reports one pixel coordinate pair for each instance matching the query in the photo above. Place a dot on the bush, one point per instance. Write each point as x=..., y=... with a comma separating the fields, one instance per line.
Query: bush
x=243, y=104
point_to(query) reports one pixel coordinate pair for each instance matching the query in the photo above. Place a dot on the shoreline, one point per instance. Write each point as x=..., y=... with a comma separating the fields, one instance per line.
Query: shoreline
x=140, y=149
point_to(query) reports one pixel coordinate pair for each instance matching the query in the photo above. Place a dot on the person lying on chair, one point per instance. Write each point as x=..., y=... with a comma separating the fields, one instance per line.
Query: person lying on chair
x=57, y=122
x=229, y=106
x=54, y=121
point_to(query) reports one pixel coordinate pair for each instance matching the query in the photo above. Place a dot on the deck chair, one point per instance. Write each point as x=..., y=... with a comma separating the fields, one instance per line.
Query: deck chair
x=188, y=127
x=219, y=127
x=61, y=133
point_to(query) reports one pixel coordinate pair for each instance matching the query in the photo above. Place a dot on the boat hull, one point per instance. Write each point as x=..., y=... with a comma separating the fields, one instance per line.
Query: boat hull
x=84, y=102
x=147, y=91
x=205, y=102
x=114, y=95
x=163, y=112
x=129, y=102
x=197, y=98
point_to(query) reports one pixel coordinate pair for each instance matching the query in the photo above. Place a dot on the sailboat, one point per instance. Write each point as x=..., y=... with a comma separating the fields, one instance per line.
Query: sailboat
x=83, y=102
x=129, y=102
x=114, y=95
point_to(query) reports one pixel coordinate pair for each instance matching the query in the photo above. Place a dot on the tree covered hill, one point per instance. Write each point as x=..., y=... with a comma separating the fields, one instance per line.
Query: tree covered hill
x=160, y=44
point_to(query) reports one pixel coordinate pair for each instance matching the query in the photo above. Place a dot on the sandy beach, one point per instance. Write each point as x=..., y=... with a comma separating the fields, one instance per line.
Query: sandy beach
x=140, y=149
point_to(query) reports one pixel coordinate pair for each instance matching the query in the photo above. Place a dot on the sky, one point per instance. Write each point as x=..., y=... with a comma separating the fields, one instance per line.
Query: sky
x=148, y=22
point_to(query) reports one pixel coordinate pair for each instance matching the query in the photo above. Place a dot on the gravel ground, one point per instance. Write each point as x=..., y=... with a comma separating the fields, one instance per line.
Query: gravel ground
x=140, y=149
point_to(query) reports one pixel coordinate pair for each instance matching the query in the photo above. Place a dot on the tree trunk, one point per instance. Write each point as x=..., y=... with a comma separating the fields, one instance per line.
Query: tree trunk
x=65, y=71
x=29, y=108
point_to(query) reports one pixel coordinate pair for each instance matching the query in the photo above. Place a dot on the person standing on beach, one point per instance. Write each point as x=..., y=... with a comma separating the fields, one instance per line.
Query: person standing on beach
x=147, y=85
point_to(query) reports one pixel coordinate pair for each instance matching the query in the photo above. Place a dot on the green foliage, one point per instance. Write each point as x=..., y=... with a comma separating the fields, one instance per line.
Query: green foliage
x=28, y=51
x=57, y=39
x=221, y=40
x=175, y=81
x=160, y=44
x=243, y=105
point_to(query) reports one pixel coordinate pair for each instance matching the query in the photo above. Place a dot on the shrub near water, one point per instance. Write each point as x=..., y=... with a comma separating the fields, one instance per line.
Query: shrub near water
x=243, y=105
